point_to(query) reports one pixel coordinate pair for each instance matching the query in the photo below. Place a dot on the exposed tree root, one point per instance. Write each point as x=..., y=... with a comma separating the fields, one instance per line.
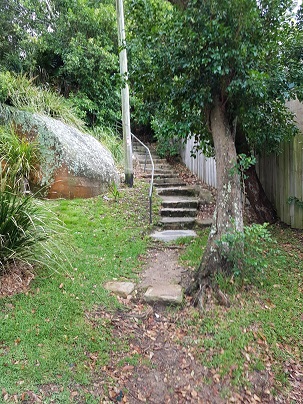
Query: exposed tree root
x=202, y=296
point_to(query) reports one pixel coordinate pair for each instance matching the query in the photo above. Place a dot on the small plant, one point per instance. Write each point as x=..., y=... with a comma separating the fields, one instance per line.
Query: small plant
x=294, y=200
x=167, y=148
x=113, y=189
x=21, y=228
x=245, y=249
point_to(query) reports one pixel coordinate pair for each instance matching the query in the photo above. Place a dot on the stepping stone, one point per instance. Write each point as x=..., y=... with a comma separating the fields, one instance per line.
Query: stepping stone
x=171, y=235
x=122, y=289
x=178, y=212
x=175, y=223
x=205, y=222
x=179, y=202
x=178, y=191
x=169, y=294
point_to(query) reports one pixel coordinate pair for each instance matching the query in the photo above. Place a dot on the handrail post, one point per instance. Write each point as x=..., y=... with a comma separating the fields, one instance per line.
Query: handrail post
x=145, y=161
x=150, y=210
x=147, y=151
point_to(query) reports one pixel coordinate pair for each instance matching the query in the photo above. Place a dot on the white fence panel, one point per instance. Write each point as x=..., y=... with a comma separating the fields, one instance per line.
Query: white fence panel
x=203, y=167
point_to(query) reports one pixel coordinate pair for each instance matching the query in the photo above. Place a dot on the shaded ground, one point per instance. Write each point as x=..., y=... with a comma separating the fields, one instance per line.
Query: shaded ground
x=158, y=359
x=162, y=366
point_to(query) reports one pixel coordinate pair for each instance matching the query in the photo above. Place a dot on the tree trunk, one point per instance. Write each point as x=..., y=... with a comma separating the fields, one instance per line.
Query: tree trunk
x=228, y=216
x=261, y=205
x=258, y=200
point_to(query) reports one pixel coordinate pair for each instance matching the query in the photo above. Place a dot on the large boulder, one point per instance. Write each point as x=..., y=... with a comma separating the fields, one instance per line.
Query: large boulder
x=74, y=164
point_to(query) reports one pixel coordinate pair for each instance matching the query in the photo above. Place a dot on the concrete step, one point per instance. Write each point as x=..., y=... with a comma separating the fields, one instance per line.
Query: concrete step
x=177, y=191
x=173, y=184
x=174, y=223
x=179, y=202
x=141, y=157
x=178, y=212
x=156, y=160
x=169, y=181
x=164, y=293
x=158, y=167
x=161, y=175
x=163, y=172
x=172, y=235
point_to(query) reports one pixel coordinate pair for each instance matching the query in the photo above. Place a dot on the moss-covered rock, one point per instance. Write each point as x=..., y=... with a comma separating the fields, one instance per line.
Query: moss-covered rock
x=74, y=164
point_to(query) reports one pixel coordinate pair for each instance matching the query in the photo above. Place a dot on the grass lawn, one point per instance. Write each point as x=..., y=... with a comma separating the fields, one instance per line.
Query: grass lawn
x=49, y=343
x=44, y=334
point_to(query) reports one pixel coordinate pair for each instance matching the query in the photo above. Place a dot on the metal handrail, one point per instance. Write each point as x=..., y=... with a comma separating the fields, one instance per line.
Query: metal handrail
x=150, y=196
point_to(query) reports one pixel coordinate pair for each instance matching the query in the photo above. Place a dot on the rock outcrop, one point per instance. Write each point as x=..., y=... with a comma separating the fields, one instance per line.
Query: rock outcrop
x=74, y=164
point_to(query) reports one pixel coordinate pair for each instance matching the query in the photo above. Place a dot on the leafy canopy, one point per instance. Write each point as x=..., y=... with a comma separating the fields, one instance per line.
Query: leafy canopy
x=232, y=49
x=70, y=45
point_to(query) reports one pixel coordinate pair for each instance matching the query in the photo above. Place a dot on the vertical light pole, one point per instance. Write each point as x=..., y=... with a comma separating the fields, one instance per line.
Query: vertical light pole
x=128, y=162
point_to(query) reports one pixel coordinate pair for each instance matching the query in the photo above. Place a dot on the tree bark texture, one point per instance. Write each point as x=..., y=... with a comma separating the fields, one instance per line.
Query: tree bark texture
x=261, y=205
x=228, y=216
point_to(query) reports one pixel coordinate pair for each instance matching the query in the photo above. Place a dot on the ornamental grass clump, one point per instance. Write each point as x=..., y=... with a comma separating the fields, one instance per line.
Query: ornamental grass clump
x=25, y=235
x=19, y=160
x=21, y=228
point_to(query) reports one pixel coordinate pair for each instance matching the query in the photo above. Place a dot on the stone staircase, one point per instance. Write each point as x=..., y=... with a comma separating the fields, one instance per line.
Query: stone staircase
x=180, y=202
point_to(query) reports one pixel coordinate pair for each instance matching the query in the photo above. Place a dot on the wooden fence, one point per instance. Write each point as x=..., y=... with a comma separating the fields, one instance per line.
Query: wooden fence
x=281, y=176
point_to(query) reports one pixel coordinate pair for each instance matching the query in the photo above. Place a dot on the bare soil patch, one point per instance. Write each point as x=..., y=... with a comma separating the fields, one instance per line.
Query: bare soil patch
x=161, y=364
x=16, y=278
x=162, y=267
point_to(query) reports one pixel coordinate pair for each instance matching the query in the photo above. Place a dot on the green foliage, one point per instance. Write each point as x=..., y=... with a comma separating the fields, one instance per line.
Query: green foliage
x=265, y=316
x=187, y=56
x=167, y=147
x=114, y=191
x=70, y=46
x=245, y=250
x=244, y=162
x=25, y=233
x=193, y=252
x=295, y=200
x=111, y=141
x=19, y=91
x=21, y=228
x=18, y=158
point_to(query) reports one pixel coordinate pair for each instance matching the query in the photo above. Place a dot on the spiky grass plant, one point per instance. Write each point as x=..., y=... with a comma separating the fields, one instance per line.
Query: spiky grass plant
x=19, y=160
x=111, y=141
x=26, y=232
x=21, y=92
x=20, y=228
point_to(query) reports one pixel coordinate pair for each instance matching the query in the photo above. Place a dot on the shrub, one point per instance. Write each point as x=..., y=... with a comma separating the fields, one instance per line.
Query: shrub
x=24, y=233
x=245, y=249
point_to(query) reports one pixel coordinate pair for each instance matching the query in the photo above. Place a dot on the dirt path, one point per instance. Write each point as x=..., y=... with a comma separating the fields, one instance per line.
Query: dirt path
x=162, y=267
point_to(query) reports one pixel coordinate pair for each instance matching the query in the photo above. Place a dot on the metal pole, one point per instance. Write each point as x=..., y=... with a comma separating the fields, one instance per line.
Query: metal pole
x=128, y=161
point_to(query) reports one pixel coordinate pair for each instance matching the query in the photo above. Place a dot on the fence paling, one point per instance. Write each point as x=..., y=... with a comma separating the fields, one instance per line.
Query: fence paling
x=203, y=167
x=281, y=177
